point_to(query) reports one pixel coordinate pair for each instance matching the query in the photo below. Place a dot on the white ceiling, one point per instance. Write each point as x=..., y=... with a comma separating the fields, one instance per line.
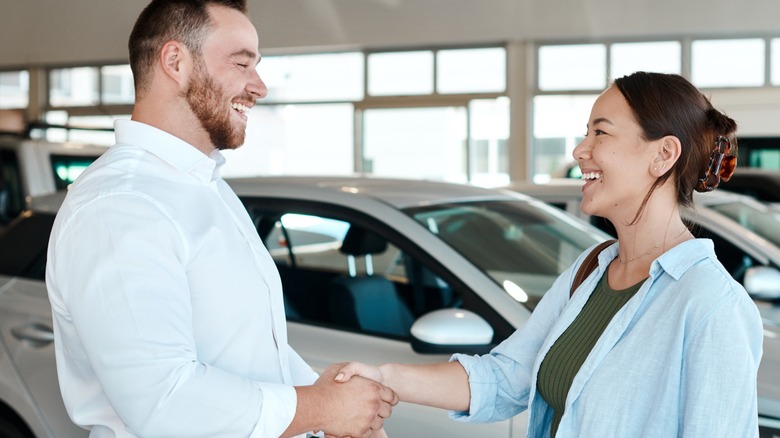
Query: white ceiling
x=83, y=31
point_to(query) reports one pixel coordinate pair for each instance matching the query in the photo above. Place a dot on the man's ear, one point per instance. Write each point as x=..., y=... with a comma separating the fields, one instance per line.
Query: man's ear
x=668, y=150
x=176, y=62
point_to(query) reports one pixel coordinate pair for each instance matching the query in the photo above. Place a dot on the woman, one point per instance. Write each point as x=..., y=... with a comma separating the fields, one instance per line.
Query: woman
x=659, y=341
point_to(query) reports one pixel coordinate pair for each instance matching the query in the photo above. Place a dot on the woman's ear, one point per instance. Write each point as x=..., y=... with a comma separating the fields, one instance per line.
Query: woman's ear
x=668, y=152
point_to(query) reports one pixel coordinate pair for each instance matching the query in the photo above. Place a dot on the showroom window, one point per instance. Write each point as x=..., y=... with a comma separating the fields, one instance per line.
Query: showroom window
x=775, y=61
x=117, y=84
x=562, y=100
x=14, y=89
x=481, y=70
x=400, y=73
x=558, y=64
x=74, y=86
x=341, y=113
x=323, y=77
x=660, y=56
x=728, y=63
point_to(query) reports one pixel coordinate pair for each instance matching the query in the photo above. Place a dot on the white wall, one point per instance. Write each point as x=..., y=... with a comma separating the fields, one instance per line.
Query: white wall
x=84, y=31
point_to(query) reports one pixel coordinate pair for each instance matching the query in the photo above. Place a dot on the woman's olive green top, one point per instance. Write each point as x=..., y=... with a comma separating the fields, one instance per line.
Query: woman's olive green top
x=567, y=354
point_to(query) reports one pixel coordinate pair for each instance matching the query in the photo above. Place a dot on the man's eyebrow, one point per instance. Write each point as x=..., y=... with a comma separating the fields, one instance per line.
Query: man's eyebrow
x=248, y=54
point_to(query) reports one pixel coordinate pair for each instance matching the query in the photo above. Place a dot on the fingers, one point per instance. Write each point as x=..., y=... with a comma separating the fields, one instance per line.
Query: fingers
x=388, y=396
x=346, y=372
x=385, y=410
x=359, y=369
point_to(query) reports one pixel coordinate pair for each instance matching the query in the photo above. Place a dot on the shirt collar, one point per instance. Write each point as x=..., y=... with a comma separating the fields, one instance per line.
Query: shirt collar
x=680, y=258
x=171, y=149
x=674, y=262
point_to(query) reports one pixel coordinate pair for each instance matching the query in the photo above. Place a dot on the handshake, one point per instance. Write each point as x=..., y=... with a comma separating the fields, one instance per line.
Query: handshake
x=355, y=402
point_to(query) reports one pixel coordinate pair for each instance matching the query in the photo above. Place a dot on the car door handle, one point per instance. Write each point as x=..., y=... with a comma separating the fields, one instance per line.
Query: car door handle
x=37, y=334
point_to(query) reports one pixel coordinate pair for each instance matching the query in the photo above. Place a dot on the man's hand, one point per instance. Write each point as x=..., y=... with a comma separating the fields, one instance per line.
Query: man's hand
x=356, y=408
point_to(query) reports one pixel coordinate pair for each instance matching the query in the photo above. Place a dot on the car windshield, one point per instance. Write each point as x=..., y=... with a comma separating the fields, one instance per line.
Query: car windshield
x=522, y=245
x=757, y=218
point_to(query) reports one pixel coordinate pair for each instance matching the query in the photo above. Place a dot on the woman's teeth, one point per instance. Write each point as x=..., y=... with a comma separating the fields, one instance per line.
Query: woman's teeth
x=591, y=176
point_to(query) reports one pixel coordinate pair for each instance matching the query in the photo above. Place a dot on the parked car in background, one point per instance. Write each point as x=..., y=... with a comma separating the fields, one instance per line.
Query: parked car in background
x=751, y=254
x=762, y=184
x=34, y=167
x=374, y=270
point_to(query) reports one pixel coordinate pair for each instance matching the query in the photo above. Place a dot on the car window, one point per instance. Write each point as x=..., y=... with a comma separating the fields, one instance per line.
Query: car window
x=345, y=275
x=756, y=218
x=11, y=194
x=67, y=168
x=23, y=245
x=523, y=246
x=734, y=259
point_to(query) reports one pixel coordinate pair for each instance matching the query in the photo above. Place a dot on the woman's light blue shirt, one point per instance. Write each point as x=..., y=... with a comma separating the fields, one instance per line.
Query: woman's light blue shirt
x=680, y=359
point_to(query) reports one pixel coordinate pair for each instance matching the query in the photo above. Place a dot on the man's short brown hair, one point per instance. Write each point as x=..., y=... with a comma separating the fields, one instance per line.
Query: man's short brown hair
x=185, y=21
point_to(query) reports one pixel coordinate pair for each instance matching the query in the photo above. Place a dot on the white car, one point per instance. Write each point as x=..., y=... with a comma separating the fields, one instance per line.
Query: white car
x=374, y=270
x=746, y=234
x=31, y=168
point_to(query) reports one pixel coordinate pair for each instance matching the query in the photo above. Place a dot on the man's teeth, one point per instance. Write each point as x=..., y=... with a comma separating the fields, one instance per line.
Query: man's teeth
x=240, y=107
x=591, y=175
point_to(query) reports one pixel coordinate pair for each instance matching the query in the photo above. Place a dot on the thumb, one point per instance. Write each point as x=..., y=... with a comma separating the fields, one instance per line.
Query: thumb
x=346, y=372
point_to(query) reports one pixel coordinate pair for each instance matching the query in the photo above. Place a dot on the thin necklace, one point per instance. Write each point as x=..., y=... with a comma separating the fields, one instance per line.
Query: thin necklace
x=666, y=232
x=624, y=261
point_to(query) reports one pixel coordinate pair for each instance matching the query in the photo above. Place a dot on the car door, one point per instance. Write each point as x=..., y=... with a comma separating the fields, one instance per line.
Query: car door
x=311, y=255
x=27, y=340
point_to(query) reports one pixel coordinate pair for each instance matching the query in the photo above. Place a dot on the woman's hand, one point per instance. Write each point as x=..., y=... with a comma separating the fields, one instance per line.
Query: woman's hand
x=360, y=369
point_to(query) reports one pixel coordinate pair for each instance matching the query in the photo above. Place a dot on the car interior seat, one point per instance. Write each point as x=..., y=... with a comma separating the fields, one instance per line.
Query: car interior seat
x=368, y=302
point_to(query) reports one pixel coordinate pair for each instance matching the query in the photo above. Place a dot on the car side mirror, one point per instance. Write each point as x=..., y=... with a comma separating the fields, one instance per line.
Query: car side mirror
x=447, y=331
x=763, y=283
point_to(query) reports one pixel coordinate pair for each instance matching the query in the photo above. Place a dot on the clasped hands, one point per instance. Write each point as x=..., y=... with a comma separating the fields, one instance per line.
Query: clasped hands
x=359, y=401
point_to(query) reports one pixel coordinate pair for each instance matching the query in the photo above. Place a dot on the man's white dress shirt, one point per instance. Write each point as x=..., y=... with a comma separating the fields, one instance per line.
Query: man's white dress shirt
x=168, y=312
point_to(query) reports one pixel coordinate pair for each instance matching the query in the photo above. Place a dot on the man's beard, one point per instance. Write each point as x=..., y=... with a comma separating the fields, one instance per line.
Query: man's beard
x=205, y=98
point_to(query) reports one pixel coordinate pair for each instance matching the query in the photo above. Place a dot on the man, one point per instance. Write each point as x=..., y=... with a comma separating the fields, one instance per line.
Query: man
x=167, y=308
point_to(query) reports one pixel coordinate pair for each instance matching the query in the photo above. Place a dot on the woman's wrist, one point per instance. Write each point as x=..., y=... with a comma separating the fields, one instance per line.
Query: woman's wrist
x=388, y=375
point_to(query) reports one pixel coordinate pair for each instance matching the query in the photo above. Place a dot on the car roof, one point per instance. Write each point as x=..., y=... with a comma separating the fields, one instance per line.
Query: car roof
x=566, y=190
x=398, y=192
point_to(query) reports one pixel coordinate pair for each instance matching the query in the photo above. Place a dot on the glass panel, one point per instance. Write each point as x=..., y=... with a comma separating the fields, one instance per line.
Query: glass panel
x=728, y=63
x=14, y=89
x=573, y=67
x=73, y=86
x=427, y=143
x=117, y=84
x=523, y=246
x=295, y=139
x=101, y=132
x=313, y=78
x=67, y=168
x=400, y=73
x=661, y=57
x=775, y=61
x=489, y=130
x=471, y=70
x=559, y=125
x=757, y=218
